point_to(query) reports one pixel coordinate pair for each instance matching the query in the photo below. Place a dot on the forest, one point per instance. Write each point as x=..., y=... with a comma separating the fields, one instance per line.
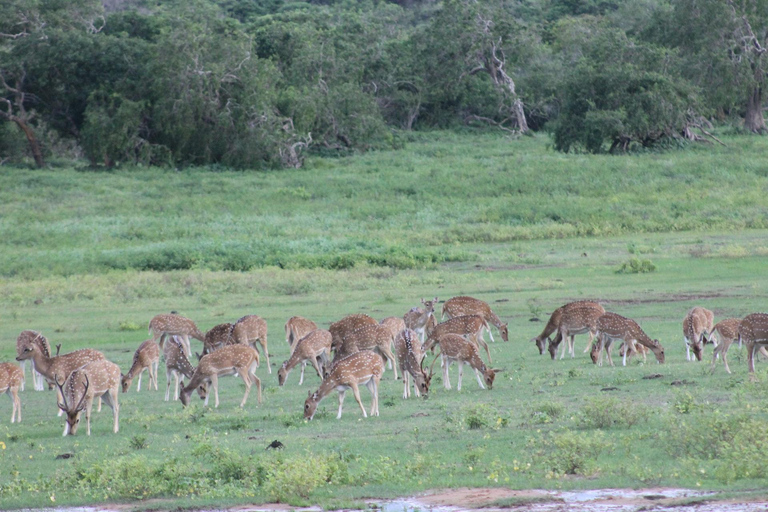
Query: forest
x=262, y=84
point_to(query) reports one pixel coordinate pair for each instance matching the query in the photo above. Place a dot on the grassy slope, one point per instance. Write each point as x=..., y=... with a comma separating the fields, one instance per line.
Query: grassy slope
x=717, y=269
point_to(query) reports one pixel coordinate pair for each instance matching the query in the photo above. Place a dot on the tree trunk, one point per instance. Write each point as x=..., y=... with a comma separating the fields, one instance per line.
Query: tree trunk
x=34, y=144
x=753, y=120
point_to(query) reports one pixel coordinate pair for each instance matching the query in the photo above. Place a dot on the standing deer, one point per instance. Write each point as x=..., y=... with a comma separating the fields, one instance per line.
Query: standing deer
x=146, y=357
x=454, y=347
x=228, y=360
x=753, y=331
x=23, y=339
x=315, y=345
x=418, y=318
x=611, y=327
x=697, y=325
x=410, y=357
x=463, y=306
x=470, y=325
x=554, y=323
x=296, y=328
x=368, y=337
x=11, y=379
x=97, y=378
x=726, y=332
x=346, y=325
x=175, y=363
x=162, y=326
x=576, y=319
x=364, y=367
x=61, y=366
x=217, y=337
x=394, y=323
x=250, y=329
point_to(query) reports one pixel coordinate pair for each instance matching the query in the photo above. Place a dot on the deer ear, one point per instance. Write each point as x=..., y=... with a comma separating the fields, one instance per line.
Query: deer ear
x=309, y=394
x=497, y=370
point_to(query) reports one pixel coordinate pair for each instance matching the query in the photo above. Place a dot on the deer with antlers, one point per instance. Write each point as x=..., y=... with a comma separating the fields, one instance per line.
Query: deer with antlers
x=296, y=328
x=417, y=318
x=364, y=367
x=464, y=306
x=176, y=363
x=230, y=360
x=23, y=339
x=454, y=347
x=410, y=358
x=173, y=324
x=251, y=329
x=612, y=327
x=471, y=326
x=368, y=337
x=697, y=325
x=11, y=379
x=313, y=347
x=146, y=357
x=61, y=365
x=95, y=379
x=576, y=319
x=753, y=332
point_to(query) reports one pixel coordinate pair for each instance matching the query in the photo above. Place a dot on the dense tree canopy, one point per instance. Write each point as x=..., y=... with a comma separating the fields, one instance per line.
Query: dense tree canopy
x=259, y=83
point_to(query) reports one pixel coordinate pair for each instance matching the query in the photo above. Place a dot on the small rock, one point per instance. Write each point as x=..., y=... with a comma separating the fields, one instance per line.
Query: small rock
x=65, y=456
x=653, y=376
x=612, y=388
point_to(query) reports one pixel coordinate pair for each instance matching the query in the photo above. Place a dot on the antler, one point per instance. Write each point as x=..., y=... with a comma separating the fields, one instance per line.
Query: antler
x=61, y=390
x=81, y=406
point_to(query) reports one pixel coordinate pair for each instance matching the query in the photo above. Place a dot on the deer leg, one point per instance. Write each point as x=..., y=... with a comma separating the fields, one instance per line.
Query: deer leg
x=376, y=379
x=108, y=400
x=461, y=373
x=480, y=341
x=168, y=384
x=186, y=346
x=301, y=378
x=341, y=404
x=254, y=378
x=313, y=361
x=59, y=400
x=726, y=345
x=390, y=358
x=444, y=364
x=608, y=347
x=88, y=408
x=406, y=383
x=589, y=345
x=24, y=375
x=356, y=392
x=16, y=405
x=138, y=386
x=98, y=409
x=215, y=384
x=266, y=354
x=479, y=380
x=687, y=349
x=491, y=335
x=245, y=374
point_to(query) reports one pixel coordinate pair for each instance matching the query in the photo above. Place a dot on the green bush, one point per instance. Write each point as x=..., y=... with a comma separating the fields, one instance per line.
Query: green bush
x=569, y=453
x=636, y=266
x=608, y=412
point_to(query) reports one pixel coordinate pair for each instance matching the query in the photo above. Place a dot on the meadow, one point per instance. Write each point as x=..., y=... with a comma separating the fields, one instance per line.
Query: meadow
x=88, y=257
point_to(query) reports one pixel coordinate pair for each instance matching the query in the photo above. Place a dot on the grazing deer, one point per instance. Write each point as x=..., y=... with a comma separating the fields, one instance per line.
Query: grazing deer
x=454, y=347
x=11, y=379
x=638, y=349
x=611, y=327
x=250, y=329
x=228, y=360
x=146, y=357
x=367, y=337
x=463, y=306
x=348, y=324
x=97, y=378
x=554, y=322
x=162, y=326
x=394, y=323
x=418, y=318
x=315, y=345
x=296, y=328
x=28, y=337
x=697, y=325
x=217, y=337
x=175, y=363
x=470, y=325
x=576, y=319
x=410, y=357
x=50, y=367
x=753, y=331
x=364, y=367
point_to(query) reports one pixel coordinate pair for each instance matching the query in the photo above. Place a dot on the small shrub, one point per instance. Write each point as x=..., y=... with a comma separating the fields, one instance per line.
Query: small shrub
x=481, y=416
x=138, y=442
x=569, y=453
x=547, y=412
x=636, y=266
x=129, y=326
x=609, y=412
x=685, y=403
x=473, y=455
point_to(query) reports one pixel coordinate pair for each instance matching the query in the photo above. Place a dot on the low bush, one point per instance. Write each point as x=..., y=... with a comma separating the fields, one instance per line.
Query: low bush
x=569, y=453
x=608, y=412
x=636, y=266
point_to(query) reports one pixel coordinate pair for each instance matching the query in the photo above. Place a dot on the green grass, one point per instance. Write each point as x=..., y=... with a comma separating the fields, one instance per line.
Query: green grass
x=538, y=427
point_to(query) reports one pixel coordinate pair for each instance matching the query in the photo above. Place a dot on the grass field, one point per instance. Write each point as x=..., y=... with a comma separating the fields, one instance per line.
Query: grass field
x=88, y=258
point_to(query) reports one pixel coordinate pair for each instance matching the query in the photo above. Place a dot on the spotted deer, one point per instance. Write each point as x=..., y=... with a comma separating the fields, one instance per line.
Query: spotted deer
x=418, y=318
x=176, y=363
x=162, y=326
x=146, y=357
x=576, y=319
x=611, y=327
x=217, y=337
x=697, y=325
x=463, y=306
x=250, y=329
x=364, y=367
x=638, y=349
x=470, y=325
x=11, y=379
x=348, y=324
x=410, y=358
x=228, y=360
x=394, y=323
x=454, y=347
x=28, y=337
x=61, y=366
x=554, y=323
x=753, y=332
x=315, y=345
x=296, y=328
x=96, y=379
x=367, y=337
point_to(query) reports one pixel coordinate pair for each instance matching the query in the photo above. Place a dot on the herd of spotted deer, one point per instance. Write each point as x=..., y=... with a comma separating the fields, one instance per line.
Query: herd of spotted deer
x=360, y=345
